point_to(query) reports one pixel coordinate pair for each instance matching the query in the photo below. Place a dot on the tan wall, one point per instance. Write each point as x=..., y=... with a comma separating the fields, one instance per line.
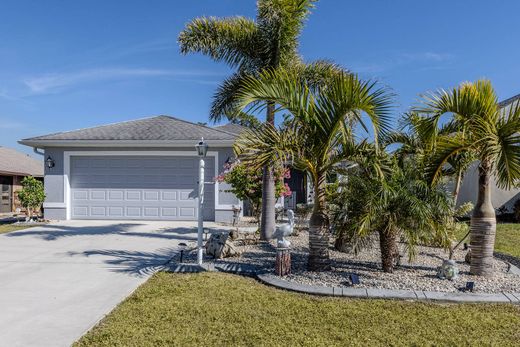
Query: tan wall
x=17, y=186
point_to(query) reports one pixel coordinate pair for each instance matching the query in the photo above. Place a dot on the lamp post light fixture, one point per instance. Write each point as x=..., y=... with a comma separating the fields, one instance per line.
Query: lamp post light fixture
x=202, y=150
x=49, y=162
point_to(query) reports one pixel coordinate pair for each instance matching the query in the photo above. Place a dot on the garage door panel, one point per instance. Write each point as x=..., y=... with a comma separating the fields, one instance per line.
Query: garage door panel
x=116, y=195
x=161, y=188
x=98, y=195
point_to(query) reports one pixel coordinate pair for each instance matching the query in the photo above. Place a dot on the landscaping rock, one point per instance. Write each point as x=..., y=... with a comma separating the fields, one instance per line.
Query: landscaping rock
x=234, y=234
x=220, y=246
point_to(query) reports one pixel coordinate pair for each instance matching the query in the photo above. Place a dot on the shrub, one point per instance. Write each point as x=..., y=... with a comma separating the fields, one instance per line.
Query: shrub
x=246, y=183
x=32, y=194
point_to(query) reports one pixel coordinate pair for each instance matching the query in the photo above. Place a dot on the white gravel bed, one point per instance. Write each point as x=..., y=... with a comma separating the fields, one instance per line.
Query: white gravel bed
x=419, y=274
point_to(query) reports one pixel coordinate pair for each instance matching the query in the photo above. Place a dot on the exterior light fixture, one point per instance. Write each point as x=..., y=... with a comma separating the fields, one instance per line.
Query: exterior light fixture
x=182, y=248
x=202, y=148
x=354, y=279
x=49, y=162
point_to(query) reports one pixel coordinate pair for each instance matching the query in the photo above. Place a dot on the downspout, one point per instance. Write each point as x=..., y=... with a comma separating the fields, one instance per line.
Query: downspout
x=35, y=150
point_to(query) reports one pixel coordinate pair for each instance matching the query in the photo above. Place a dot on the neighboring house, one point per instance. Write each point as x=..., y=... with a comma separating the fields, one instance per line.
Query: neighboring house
x=500, y=198
x=143, y=169
x=14, y=166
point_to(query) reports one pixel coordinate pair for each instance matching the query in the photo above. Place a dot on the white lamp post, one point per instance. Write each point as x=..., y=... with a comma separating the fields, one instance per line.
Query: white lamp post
x=202, y=149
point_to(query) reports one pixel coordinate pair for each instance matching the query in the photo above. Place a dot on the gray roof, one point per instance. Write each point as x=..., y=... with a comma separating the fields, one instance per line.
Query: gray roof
x=236, y=129
x=17, y=163
x=509, y=101
x=159, y=128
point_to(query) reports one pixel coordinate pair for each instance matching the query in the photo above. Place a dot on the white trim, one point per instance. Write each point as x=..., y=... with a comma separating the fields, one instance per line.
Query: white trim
x=68, y=154
x=54, y=205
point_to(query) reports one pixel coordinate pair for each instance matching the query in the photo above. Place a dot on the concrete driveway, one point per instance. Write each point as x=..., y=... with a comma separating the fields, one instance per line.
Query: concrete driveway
x=59, y=280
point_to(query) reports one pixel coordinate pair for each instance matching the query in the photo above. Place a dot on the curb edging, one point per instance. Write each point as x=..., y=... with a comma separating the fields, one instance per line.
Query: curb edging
x=399, y=294
x=351, y=292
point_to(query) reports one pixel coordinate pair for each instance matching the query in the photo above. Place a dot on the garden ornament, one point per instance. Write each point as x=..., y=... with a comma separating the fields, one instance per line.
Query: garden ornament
x=448, y=270
x=284, y=230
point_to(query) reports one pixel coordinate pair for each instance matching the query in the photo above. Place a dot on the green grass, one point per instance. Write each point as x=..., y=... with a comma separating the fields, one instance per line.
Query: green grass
x=507, y=239
x=7, y=228
x=215, y=309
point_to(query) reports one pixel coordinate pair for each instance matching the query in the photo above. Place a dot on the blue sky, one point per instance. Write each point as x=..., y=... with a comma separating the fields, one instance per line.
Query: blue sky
x=71, y=64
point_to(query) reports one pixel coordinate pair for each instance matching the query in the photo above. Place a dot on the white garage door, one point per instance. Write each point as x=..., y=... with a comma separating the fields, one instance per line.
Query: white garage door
x=138, y=187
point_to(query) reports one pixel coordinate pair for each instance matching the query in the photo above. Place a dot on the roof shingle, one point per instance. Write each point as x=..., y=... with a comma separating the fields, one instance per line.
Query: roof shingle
x=17, y=163
x=157, y=128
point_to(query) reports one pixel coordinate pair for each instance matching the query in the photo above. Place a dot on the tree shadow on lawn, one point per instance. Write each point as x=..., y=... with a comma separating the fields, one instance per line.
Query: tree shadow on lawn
x=54, y=232
x=135, y=263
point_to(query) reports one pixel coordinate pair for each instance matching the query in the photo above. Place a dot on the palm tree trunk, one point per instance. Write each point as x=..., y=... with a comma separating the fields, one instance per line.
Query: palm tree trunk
x=483, y=225
x=268, y=221
x=319, y=229
x=388, y=245
x=456, y=189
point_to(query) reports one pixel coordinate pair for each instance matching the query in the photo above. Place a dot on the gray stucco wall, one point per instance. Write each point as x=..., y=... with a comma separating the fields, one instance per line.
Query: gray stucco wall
x=54, y=179
x=499, y=197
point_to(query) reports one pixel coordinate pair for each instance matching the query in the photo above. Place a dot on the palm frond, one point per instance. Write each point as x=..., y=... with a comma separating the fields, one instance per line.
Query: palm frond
x=234, y=40
x=446, y=148
x=268, y=145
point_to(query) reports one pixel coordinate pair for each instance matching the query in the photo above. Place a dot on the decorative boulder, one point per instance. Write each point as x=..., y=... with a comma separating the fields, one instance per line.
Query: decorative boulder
x=220, y=246
x=448, y=270
x=234, y=234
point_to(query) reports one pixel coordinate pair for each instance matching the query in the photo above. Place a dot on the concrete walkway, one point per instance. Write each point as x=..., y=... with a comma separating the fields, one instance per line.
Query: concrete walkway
x=59, y=280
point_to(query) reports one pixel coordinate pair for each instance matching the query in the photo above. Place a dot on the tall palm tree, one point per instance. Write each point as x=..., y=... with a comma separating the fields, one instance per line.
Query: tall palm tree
x=320, y=135
x=250, y=46
x=492, y=134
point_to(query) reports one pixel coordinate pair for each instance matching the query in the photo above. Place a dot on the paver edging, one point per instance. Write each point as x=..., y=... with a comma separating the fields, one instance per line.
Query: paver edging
x=353, y=292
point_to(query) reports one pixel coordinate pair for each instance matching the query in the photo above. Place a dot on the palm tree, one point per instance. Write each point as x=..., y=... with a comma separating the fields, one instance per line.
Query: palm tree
x=320, y=135
x=488, y=132
x=400, y=205
x=250, y=46
x=417, y=144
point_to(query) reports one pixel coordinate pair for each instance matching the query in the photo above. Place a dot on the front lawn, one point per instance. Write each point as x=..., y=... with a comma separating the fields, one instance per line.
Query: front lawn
x=215, y=309
x=7, y=228
x=507, y=239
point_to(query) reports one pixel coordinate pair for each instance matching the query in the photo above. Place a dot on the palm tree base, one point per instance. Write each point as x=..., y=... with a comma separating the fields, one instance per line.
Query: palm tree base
x=318, y=264
x=482, y=243
x=319, y=259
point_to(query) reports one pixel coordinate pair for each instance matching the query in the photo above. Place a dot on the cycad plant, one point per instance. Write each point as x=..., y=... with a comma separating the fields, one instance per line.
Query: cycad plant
x=489, y=133
x=250, y=46
x=318, y=135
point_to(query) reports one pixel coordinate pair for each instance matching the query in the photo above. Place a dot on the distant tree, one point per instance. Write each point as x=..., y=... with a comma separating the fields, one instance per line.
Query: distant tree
x=32, y=194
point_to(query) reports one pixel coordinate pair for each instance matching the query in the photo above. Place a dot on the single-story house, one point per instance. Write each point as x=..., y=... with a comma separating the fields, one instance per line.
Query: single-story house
x=503, y=199
x=14, y=166
x=145, y=169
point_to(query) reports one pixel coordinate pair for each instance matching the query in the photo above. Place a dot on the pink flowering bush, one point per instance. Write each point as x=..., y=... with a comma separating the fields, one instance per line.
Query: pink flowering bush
x=246, y=183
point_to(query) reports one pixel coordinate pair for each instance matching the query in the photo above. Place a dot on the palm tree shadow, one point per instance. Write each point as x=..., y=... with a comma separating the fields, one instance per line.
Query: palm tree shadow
x=54, y=232
x=135, y=263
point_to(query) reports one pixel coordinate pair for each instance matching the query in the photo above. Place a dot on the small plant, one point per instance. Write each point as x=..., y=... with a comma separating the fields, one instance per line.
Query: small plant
x=32, y=195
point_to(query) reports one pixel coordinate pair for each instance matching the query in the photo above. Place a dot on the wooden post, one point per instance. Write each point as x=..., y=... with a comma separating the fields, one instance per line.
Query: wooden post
x=283, y=261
